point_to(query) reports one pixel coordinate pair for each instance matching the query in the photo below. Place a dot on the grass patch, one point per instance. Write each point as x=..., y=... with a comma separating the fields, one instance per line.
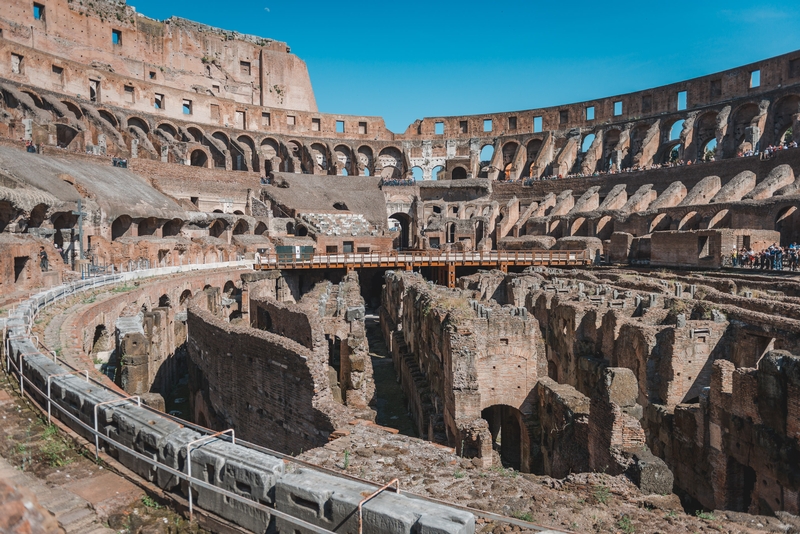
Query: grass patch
x=705, y=515
x=624, y=524
x=150, y=502
x=601, y=494
x=524, y=516
x=459, y=474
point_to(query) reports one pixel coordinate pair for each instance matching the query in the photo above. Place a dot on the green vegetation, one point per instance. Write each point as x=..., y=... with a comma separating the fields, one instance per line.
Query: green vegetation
x=459, y=474
x=524, y=516
x=149, y=502
x=602, y=494
x=346, y=459
x=705, y=515
x=625, y=525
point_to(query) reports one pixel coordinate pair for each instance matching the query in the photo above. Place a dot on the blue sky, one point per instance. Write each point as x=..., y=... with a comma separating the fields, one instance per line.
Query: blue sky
x=412, y=59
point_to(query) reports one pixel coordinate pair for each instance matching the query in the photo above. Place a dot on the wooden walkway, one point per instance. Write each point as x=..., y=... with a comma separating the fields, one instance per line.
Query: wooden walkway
x=445, y=263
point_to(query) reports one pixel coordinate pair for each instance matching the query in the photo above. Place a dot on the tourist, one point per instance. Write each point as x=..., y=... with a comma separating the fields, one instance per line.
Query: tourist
x=44, y=262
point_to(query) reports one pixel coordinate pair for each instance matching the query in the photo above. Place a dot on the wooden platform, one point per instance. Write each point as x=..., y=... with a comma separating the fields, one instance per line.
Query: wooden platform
x=446, y=262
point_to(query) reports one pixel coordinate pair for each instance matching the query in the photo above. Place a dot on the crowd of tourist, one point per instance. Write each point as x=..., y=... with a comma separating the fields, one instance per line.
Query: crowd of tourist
x=772, y=258
x=397, y=181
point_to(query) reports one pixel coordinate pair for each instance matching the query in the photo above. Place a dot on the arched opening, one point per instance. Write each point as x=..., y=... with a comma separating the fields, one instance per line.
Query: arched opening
x=709, y=151
x=100, y=342
x=261, y=228
x=241, y=227
x=479, y=232
x=675, y=130
x=302, y=231
x=610, y=153
x=198, y=158
x=604, y=228
x=459, y=173
x=787, y=222
x=721, y=219
x=451, y=233
x=168, y=129
x=147, y=226
x=342, y=155
x=486, y=155
x=673, y=153
x=163, y=301
x=403, y=222
x=509, y=435
x=252, y=157
x=319, y=153
x=196, y=134
x=784, y=112
x=690, y=221
x=108, y=117
x=37, y=216
x=532, y=153
x=587, y=142
x=120, y=227
x=65, y=135
x=579, y=227
x=743, y=119
x=172, y=228
x=294, y=163
x=416, y=172
x=136, y=122
x=219, y=150
x=436, y=173
x=660, y=223
x=185, y=296
x=217, y=228
x=73, y=108
x=365, y=161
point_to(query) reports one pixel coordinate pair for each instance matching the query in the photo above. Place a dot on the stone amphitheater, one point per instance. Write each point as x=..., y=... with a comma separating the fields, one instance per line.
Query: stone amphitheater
x=225, y=311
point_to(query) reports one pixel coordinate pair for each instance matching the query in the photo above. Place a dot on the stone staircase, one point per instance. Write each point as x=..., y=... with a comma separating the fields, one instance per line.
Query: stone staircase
x=73, y=513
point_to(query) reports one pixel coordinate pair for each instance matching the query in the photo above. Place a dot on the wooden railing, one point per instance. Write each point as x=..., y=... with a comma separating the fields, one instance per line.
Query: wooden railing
x=430, y=258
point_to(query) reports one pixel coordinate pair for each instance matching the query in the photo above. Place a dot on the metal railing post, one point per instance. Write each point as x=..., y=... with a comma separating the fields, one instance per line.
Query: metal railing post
x=96, y=430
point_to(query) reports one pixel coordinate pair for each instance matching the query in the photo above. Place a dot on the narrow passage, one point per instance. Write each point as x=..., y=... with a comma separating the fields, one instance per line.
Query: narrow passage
x=391, y=404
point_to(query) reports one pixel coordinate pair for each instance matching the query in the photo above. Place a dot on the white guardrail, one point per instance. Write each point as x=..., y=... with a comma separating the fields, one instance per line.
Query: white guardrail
x=17, y=327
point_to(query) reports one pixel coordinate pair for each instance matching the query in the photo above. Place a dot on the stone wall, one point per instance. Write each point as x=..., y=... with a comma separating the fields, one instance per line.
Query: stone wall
x=268, y=387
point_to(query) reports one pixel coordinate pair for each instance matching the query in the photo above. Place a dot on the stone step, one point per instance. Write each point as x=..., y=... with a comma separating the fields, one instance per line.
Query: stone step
x=76, y=519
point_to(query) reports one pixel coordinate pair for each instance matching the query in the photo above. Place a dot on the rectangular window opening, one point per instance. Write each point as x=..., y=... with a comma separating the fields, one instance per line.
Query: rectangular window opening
x=58, y=71
x=129, y=94
x=463, y=127
x=715, y=89
x=681, y=100
x=537, y=124
x=215, y=115
x=291, y=120
x=487, y=125
x=563, y=116
x=590, y=113
x=241, y=120
x=362, y=128
x=794, y=68
x=244, y=68
x=339, y=126
x=265, y=119
x=439, y=128
x=215, y=88
x=116, y=37
x=38, y=11
x=152, y=75
x=158, y=101
x=755, y=79
x=512, y=123
x=618, y=108
x=315, y=125
x=187, y=107
x=16, y=64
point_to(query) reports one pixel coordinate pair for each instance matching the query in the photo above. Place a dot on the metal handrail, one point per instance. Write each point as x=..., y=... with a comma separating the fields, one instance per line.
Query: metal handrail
x=368, y=498
x=66, y=290
x=166, y=468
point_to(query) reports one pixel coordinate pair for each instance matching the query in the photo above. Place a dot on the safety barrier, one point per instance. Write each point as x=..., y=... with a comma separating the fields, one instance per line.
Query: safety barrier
x=239, y=481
